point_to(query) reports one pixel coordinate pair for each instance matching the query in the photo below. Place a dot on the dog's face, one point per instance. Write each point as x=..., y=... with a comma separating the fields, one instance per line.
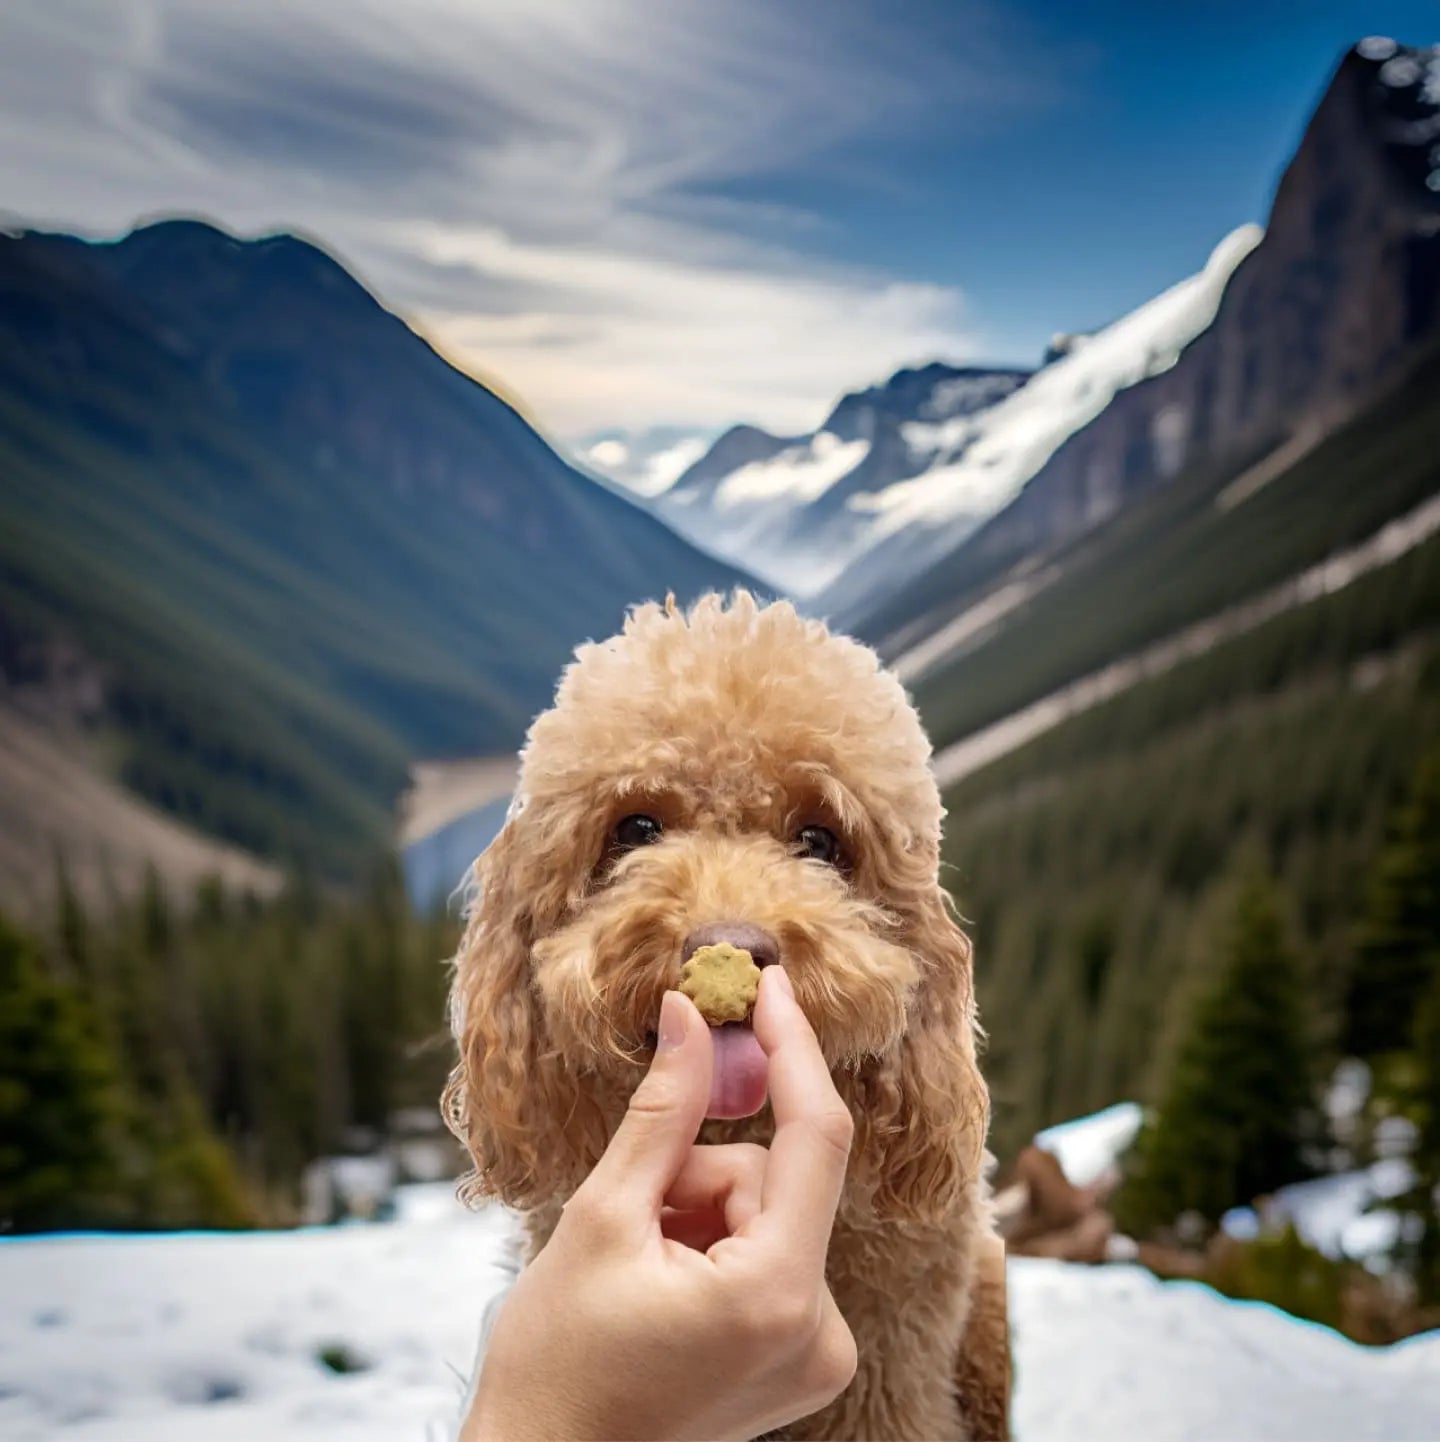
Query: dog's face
x=735, y=774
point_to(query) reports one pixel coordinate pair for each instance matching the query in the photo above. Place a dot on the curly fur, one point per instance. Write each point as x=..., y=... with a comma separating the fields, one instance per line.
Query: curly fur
x=736, y=725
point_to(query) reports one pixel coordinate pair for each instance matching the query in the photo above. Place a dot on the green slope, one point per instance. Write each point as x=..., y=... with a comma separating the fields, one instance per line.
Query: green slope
x=296, y=545
x=1176, y=557
x=1097, y=862
x=1093, y=861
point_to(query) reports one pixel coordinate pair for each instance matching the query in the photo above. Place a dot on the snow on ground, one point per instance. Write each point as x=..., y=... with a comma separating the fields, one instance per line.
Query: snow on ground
x=192, y=1337
x=1340, y=1215
x=1112, y=1352
x=199, y=1337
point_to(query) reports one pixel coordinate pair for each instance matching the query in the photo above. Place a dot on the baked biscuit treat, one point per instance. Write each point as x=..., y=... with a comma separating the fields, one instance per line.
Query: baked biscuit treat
x=723, y=982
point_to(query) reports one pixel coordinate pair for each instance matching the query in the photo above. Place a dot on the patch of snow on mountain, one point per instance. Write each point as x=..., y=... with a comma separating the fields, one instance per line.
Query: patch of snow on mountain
x=929, y=438
x=1401, y=72
x=966, y=393
x=973, y=623
x=799, y=475
x=664, y=468
x=1430, y=86
x=1002, y=448
x=953, y=416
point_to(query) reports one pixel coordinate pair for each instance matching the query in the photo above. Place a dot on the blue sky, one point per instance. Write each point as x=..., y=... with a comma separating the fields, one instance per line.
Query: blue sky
x=650, y=220
x=1147, y=133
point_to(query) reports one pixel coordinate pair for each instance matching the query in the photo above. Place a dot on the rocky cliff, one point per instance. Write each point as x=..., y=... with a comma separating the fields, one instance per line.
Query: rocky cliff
x=1331, y=308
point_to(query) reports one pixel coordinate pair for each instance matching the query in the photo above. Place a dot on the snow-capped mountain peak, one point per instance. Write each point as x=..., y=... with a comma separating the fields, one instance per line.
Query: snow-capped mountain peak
x=904, y=470
x=981, y=460
x=784, y=502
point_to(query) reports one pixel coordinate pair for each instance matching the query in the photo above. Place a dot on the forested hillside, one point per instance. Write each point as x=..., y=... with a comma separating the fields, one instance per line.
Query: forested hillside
x=285, y=545
x=178, y=1062
x=1097, y=861
x=1182, y=554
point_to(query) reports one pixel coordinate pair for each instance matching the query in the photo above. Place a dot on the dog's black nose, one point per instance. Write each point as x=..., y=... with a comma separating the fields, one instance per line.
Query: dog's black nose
x=763, y=947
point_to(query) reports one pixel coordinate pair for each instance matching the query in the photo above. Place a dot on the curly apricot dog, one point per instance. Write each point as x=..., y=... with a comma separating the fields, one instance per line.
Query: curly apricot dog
x=741, y=774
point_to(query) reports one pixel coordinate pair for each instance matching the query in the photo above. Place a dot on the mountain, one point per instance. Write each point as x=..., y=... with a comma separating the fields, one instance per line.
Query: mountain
x=796, y=509
x=1315, y=321
x=903, y=472
x=986, y=463
x=1234, y=669
x=55, y=799
x=1106, y=789
x=286, y=544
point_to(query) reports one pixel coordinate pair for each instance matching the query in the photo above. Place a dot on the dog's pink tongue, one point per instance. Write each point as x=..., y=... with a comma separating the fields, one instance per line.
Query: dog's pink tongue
x=739, y=1080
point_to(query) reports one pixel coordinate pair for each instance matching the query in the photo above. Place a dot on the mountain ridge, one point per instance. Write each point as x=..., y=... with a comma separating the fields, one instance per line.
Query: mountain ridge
x=788, y=503
x=232, y=473
x=1330, y=307
x=1327, y=306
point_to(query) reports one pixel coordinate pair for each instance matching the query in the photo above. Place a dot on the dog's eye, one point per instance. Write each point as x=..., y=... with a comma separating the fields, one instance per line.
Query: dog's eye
x=636, y=831
x=818, y=843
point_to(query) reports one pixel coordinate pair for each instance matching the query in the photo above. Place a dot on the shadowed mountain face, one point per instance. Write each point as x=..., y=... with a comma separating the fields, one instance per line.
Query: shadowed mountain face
x=1328, y=311
x=291, y=545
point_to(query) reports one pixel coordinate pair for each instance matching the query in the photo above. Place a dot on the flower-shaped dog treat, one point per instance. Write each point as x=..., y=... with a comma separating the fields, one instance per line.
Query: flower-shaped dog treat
x=723, y=982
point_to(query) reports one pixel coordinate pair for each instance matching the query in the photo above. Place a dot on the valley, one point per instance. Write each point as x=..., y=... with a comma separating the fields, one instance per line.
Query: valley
x=281, y=590
x=297, y=549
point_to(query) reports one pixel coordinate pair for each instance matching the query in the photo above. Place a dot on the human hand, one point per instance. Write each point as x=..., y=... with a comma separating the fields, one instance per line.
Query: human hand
x=682, y=1294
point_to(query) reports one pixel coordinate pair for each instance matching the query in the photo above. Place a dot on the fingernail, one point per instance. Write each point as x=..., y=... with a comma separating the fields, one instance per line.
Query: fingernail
x=672, y=1022
x=782, y=980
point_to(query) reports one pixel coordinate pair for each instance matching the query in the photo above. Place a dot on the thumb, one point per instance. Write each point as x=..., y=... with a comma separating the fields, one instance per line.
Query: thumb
x=654, y=1138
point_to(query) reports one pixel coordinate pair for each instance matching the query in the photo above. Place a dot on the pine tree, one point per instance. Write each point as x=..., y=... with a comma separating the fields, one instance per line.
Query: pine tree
x=71, y=928
x=1237, y=1110
x=234, y=1040
x=57, y=1090
x=1426, y=1198
x=1398, y=947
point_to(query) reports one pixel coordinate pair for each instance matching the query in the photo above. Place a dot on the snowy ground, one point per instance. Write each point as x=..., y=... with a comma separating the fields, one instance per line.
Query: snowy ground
x=212, y=1337
x=129, y=1339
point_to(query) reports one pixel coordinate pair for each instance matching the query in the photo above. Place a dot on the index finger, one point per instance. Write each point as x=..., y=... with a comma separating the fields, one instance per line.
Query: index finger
x=806, y=1168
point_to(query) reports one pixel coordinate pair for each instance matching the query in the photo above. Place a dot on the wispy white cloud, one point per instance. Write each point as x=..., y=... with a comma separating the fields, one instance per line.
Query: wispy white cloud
x=539, y=183
x=714, y=340
x=647, y=461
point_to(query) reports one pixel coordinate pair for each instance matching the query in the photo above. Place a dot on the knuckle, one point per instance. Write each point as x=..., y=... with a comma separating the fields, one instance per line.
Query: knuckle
x=656, y=1097
x=836, y=1359
x=835, y=1127
x=791, y=1318
x=764, y=1323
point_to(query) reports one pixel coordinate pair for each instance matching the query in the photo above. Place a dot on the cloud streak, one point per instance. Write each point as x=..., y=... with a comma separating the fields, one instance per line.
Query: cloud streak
x=540, y=184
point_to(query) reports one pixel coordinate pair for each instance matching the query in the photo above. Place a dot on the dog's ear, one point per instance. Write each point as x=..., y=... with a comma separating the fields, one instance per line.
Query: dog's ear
x=929, y=1106
x=510, y=1099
